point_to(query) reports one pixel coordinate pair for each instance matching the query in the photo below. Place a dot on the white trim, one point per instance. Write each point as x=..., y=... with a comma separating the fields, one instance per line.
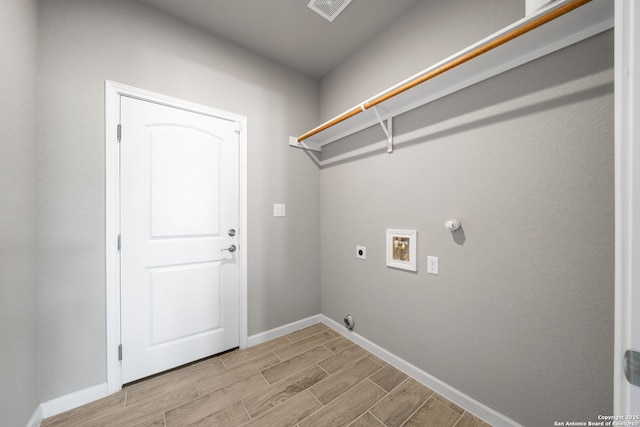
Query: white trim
x=112, y=229
x=36, y=418
x=284, y=330
x=627, y=193
x=469, y=404
x=73, y=400
x=113, y=91
x=243, y=257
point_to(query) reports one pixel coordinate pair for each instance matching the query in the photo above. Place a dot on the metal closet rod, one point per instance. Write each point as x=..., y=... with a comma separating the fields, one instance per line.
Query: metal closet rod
x=550, y=16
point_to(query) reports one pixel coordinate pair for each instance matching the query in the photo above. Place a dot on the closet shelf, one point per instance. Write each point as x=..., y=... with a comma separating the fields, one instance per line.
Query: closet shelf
x=561, y=24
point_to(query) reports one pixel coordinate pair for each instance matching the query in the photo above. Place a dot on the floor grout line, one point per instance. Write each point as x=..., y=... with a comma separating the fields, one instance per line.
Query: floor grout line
x=459, y=418
x=374, y=416
x=419, y=407
x=377, y=401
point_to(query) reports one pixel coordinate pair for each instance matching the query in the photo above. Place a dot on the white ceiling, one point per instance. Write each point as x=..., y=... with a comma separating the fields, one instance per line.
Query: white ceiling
x=287, y=31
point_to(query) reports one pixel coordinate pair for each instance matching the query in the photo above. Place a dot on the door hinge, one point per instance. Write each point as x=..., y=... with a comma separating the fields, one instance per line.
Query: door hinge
x=238, y=127
x=120, y=352
x=119, y=242
x=119, y=132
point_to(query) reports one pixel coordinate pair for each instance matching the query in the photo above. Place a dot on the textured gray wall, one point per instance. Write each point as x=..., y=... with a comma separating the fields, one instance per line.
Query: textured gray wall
x=82, y=44
x=521, y=315
x=18, y=316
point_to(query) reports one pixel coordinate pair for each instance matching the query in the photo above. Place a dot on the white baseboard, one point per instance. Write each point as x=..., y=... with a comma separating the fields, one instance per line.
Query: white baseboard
x=496, y=419
x=36, y=418
x=283, y=330
x=471, y=405
x=73, y=400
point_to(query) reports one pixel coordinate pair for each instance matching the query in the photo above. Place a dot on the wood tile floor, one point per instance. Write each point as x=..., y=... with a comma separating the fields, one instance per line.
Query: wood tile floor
x=312, y=377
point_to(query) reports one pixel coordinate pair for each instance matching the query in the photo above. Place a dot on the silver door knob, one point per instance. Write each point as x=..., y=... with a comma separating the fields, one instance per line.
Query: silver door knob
x=231, y=248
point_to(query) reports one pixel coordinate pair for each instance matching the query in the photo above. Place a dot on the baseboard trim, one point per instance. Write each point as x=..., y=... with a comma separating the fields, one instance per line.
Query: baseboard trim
x=36, y=418
x=72, y=400
x=283, y=330
x=471, y=405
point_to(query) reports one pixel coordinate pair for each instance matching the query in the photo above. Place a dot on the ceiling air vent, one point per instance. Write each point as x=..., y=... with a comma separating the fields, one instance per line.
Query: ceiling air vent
x=328, y=9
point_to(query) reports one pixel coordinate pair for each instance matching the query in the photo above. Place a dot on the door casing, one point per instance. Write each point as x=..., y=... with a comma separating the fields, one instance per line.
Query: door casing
x=626, y=397
x=113, y=92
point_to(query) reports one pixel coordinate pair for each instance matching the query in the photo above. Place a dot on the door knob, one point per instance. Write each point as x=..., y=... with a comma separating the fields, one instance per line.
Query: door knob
x=231, y=248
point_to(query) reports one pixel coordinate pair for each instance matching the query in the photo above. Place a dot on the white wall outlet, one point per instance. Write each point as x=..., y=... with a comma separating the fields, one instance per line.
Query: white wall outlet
x=361, y=252
x=278, y=209
x=432, y=265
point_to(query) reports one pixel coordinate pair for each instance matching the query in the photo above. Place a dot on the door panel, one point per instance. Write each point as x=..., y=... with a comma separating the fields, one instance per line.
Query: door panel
x=179, y=196
x=185, y=180
x=181, y=300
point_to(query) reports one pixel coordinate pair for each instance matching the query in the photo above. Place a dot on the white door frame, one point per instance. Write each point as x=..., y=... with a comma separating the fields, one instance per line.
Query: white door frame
x=627, y=192
x=113, y=91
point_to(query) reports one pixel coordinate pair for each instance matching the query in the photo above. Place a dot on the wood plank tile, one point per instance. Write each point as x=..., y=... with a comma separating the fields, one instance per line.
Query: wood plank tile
x=288, y=413
x=449, y=404
x=344, y=380
x=389, y=377
x=433, y=413
x=367, y=420
x=231, y=416
x=147, y=410
x=307, y=332
x=238, y=356
x=278, y=392
x=343, y=411
x=469, y=420
x=91, y=411
x=295, y=364
x=344, y=358
x=403, y=401
x=236, y=373
x=147, y=389
x=305, y=344
x=378, y=360
x=339, y=344
x=283, y=390
x=217, y=400
x=157, y=421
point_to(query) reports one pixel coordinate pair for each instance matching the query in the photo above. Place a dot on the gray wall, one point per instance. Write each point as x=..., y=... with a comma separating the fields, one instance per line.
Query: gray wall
x=18, y=316
x=520, y=317
x=82, y=44
x=429, y=33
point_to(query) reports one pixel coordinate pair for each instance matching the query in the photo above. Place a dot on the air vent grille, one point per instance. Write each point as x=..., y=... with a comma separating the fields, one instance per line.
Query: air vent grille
x=328, y=9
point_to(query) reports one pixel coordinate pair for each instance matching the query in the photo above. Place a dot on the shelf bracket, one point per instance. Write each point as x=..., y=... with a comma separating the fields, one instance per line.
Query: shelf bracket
x=305, y=145
x=387, y=129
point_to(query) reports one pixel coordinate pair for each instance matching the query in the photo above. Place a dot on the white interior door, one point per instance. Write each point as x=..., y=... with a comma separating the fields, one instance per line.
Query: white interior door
x=627, y=351
x=179, y=203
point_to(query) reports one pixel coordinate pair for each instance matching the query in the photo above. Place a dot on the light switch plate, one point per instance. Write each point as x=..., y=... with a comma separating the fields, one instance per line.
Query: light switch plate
x=361, y=252
x=432, y=265
x=278, y=209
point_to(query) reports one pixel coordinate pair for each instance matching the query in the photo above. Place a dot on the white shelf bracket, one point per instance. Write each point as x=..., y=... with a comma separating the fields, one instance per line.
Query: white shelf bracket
x=387, y=129
x=305, y=145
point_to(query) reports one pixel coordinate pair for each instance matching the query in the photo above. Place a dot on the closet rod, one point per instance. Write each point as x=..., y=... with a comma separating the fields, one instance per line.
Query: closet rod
x=550, y=16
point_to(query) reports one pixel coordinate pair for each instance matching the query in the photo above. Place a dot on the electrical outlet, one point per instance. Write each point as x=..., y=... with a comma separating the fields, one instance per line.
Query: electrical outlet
x=432, y=265
x=361, y=252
